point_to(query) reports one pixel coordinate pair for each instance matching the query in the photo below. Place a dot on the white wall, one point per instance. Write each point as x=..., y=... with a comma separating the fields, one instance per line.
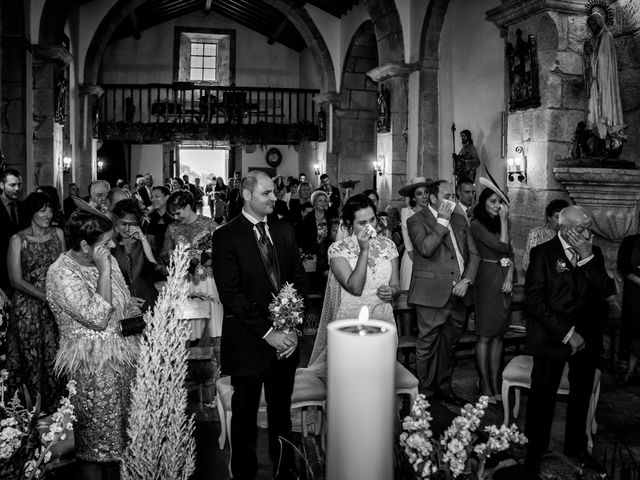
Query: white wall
x=147, y=159
x=471, y=84
x=150, y=60
x=290, y=164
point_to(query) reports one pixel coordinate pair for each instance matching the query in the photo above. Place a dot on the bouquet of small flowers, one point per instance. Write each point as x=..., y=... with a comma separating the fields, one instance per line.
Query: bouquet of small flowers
x=26, y=443
x=286, y=310
x=458, y=450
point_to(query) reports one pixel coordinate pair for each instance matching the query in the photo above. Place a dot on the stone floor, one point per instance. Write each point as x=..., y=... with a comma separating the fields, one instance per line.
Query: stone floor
x=618, y=417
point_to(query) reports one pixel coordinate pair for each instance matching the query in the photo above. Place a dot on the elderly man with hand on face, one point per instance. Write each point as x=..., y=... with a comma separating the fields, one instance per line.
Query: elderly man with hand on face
x=566, y=287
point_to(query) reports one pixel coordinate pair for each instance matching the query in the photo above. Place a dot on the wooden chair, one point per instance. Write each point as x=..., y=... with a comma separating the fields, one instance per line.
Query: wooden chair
x=197, y=311
x=406, y=324
x=517, y=374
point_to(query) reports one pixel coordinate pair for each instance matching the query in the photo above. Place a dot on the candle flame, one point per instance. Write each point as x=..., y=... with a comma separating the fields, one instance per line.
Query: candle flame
x=363, y=316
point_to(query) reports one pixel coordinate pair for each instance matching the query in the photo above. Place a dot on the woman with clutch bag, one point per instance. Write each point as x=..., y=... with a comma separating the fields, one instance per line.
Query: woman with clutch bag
x=89, y=297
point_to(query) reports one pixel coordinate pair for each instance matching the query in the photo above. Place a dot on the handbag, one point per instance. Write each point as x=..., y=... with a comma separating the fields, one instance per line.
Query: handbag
x=132, y=325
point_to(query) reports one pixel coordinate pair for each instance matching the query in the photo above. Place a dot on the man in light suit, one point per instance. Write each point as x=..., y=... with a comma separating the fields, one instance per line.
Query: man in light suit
x=566, y=287
x=444, y=267
x=252, y=260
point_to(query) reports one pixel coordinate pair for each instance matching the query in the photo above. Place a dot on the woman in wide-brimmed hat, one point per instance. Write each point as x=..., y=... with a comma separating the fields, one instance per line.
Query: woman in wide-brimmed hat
x=416, y=191
x=493, y=284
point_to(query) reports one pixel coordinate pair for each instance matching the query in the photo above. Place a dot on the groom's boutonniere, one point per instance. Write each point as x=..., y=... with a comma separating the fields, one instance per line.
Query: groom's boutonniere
x=561, y=266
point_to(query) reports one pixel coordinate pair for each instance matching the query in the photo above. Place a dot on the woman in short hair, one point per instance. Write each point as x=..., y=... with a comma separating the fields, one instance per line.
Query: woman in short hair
x=88, y=296
x=32, y=333
x=313, y=238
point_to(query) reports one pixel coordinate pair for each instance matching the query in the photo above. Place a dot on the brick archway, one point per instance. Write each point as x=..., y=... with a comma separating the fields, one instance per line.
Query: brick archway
x=428, y=114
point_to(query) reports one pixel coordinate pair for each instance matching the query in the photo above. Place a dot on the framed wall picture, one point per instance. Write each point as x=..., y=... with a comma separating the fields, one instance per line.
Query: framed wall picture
x=522, y=58
x=274, y=157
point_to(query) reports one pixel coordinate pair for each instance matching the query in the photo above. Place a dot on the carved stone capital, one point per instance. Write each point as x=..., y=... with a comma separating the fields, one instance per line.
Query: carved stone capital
x=514, y=11
x=52, y=53
x=327, y=97
x=96, y=90
x=389, y=70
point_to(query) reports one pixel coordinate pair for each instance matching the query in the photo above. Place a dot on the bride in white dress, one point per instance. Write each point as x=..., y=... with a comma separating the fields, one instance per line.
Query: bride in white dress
x=364, y=271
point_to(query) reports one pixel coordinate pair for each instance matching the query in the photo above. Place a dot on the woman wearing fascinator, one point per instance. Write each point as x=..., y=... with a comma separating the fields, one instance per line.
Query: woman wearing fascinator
x=89, y=297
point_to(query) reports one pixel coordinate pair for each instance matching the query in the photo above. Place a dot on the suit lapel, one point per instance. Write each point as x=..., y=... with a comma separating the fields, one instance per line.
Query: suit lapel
x=559, y=257
x=254, y=250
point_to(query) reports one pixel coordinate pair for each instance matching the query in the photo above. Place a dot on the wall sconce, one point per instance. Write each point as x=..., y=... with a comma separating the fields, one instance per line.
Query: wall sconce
x=517, y=166
x=66, y=164
x=378, y=165
x=316, y=168
x=100, y=165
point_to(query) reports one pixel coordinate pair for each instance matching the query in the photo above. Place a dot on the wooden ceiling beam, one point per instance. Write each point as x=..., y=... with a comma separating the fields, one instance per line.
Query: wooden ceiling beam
x=281, y=28
x=207, y=6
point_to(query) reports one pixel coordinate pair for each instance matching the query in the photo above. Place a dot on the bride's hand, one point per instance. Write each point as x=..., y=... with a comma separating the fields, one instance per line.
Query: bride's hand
x=363, y=238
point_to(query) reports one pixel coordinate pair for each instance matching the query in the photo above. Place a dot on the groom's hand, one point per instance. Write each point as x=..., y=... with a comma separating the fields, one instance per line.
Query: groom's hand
x=278, y=340
x=287, y=353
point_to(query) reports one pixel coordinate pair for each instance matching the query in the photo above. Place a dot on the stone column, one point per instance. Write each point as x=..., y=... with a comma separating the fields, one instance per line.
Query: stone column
x=325, y=156
x=48, y=136
x=545, y=132
x=391, y=148
x=85, y=169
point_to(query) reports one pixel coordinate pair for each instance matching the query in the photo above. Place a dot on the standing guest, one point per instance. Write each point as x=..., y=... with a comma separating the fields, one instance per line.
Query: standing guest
x=334, y=196
x=253, y=260
x=629, y=270
x=159, y=219
x=234, y=204
x=148, y=183
x=69, y=205
x=115, y=195
x=177, y=184
x=134, y=254
x=566, y=287
x=120, y=182
x=221, y=187
x=417, y=192
x=198, y=196
x=189, y=186
x=395, y=228
x=89, y=297
x=314, y=237
x=98, y=192
x=126, y=186
x=281, y=188
x=546, y=232
x=293, y=201
x=219, y=209
x=52, y=193
x=466, y=161
x=32, y=334
x=304, y=193
x=12, y=218
x=444, y=266
x=195, y=231
x=302, y=177
x=466, y=194
x=493, y=285
x=142, y=193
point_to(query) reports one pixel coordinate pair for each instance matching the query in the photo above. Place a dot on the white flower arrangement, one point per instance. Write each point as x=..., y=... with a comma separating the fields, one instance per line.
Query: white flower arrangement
x=24, y=452
x=455, y=452
x=286, y=310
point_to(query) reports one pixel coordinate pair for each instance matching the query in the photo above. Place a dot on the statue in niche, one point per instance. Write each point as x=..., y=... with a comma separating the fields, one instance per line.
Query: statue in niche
x=60, y=110
x=522, y=58
x=604, y=111
x=382, y=110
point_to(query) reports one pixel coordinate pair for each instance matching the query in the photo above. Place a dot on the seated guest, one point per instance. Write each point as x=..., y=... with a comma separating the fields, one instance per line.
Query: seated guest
x=32, y=335
x=364, y=271
x=134, y=254
x=159, y=219
x=546, y=232
x=88, y=296
x=313, y=235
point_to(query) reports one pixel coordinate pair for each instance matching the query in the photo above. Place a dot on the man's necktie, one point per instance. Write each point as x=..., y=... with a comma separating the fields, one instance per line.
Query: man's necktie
x=268, y=253
x=13, y=213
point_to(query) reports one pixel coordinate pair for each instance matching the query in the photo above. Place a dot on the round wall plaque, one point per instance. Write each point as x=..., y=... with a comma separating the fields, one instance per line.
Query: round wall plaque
x=274, y=157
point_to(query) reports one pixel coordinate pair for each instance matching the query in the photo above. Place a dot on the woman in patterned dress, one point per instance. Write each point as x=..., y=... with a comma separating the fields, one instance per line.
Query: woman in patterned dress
x=32, y=335
x=88, y=296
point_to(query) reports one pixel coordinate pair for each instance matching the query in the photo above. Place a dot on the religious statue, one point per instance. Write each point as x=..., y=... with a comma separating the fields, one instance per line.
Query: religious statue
x=604, y=115
x=467, y=160
x=382, y=110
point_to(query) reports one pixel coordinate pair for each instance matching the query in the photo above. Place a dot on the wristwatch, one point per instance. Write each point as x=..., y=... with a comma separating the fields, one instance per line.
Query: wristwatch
x=466, y=280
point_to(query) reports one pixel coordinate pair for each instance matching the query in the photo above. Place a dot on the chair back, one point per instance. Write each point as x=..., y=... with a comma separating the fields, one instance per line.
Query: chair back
x=199, y=309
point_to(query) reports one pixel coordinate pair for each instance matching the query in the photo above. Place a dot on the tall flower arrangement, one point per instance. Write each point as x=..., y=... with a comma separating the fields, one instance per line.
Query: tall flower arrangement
x=161, y=444
x=458, y=451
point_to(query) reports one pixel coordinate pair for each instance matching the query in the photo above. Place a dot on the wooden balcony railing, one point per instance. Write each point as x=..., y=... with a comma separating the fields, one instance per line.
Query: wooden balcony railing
x=186, y=103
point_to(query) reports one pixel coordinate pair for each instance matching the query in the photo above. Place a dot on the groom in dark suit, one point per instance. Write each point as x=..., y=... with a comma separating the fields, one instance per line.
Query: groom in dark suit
x=566, y=287
x=251, y=261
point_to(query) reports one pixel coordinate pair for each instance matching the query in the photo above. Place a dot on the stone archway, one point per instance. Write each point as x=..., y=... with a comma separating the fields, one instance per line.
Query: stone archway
x=428, y=110
x=388, y=29
x=356, y=115
x=54, y=17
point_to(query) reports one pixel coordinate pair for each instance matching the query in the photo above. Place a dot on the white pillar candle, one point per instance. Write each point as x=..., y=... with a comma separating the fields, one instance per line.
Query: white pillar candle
x=360, y=399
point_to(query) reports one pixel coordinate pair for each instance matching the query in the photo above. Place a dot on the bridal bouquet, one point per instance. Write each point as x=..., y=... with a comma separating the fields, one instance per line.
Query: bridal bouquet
x=458, y=450
x=286, y=310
